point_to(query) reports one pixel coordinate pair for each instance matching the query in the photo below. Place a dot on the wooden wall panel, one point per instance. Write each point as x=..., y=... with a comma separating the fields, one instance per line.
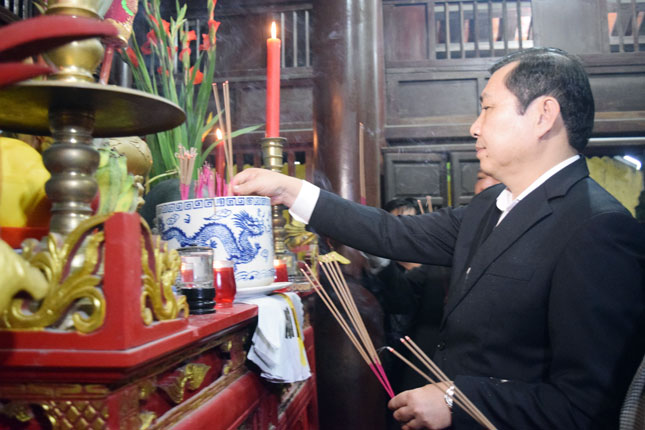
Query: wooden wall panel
x=424, y=98
x=619, y=91
x=242, y=50
x=405, y=29
x=295, y=105
x=463, y=175
x=415, y=175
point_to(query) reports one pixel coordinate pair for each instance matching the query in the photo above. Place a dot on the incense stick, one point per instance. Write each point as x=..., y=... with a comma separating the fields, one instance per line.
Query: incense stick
x=337, y=315
x=361, y=340
x=228, y=114
x=186, y=164
x=460, y=398
x=219, y=109
x=420, y=206
x=342, y=289
x=361, y=162
x=440, y=384
x=223, y=128
x=429, y=203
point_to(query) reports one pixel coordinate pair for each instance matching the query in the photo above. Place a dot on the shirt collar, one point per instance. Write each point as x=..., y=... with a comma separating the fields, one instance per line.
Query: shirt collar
x=505, y=200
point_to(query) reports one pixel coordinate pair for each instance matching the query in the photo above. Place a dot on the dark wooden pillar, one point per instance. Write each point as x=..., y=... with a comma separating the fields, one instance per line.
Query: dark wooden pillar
x=349, y=87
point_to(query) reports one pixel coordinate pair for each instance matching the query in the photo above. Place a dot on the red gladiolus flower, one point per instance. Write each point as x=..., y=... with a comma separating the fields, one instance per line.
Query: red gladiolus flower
x=145, y=48
x=151, y=39
x=213, y=23
x=206, y=43
x=190, y=36
x=166, y=24
x=160, y=71
x=132, y=56
x=198, y=77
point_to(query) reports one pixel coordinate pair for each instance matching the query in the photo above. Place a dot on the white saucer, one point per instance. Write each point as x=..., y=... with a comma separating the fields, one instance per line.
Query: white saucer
x=261, y=290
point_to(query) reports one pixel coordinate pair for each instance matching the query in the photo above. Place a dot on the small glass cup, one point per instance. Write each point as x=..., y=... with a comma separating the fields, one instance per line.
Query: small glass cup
x=281, y=274
x=224, y=283
x=196, y=280
x=187, y=274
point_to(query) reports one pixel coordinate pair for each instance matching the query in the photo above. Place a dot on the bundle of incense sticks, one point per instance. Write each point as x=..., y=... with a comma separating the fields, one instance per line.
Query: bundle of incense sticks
x=442, y=380
x=204, y=182
x=352, y=323
x=225, y=125
x=428, y=204
x=186, y=164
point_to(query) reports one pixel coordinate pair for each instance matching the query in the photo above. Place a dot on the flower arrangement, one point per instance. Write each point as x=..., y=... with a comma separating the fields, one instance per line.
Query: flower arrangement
x=181, y=82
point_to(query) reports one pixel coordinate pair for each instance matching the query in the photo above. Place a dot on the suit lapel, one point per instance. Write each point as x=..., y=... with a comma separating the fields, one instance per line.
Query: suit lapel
x=528, y=212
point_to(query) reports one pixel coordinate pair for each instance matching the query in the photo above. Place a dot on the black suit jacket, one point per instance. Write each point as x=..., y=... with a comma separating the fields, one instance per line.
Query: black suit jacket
x=543, y=325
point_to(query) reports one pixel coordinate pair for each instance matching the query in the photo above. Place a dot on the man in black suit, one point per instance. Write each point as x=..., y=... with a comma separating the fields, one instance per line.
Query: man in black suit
x=543, y=323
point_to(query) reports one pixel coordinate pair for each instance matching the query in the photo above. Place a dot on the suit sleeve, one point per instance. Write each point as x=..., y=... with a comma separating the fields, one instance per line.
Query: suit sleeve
x=428, y=238
x=595, y=324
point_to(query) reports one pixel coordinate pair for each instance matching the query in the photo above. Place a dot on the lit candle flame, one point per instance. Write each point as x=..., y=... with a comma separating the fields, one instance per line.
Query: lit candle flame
x=274, y=30
x=218, y=134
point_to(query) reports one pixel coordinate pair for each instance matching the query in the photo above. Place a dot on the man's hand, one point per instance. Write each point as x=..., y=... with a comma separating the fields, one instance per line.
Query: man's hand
x=281, y=188
x=422, y=408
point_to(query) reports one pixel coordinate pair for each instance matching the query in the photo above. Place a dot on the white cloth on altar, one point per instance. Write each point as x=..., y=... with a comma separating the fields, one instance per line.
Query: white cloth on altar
x=278, y=345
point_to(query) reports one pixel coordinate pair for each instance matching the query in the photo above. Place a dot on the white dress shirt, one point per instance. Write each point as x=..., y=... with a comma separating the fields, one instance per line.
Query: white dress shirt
x=505, y=200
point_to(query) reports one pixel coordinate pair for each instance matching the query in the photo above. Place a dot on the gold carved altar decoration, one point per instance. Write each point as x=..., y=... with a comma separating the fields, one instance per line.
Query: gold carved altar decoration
x=190, y=376
x=160, y=267
x=72, y=271
x=76, y=414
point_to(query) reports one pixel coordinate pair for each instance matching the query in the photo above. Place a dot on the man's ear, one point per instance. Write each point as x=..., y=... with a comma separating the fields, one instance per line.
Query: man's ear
x=548, y=111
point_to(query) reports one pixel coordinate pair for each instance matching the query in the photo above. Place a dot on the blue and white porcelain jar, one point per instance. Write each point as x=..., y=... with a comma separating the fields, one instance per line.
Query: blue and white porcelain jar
x=238, y=229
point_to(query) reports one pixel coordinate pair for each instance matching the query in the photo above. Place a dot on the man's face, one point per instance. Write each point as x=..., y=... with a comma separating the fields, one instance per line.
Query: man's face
x=484, y=181
x=502, y=133
x=403, y=211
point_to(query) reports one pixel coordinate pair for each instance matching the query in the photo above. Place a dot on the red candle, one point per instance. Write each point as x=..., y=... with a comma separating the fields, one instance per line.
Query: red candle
x=224, y=283
x=281, y=274
x=273, y=85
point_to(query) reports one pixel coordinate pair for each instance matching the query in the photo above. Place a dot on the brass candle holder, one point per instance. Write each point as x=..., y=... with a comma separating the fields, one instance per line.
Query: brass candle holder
x=272, y=160
x=77, y=61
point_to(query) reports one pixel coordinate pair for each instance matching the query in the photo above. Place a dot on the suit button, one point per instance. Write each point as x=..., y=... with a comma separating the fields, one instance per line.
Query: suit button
x=441, y=345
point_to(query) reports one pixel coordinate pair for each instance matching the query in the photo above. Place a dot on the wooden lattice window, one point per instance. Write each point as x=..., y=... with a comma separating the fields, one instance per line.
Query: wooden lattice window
x=625, y=24
x=470, y=29
x=453, y=29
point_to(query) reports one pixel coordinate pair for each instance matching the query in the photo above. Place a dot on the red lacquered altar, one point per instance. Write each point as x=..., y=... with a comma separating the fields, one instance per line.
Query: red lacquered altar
x=117, y=350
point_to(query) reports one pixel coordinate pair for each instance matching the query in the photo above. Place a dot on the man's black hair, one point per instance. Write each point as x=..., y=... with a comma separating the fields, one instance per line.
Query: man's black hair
x=553, y=72
x=403, y=203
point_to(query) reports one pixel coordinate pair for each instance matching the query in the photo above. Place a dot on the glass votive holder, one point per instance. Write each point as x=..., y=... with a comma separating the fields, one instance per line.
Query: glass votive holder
x=224, y=283
x=196, y=280
x=281, y=273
